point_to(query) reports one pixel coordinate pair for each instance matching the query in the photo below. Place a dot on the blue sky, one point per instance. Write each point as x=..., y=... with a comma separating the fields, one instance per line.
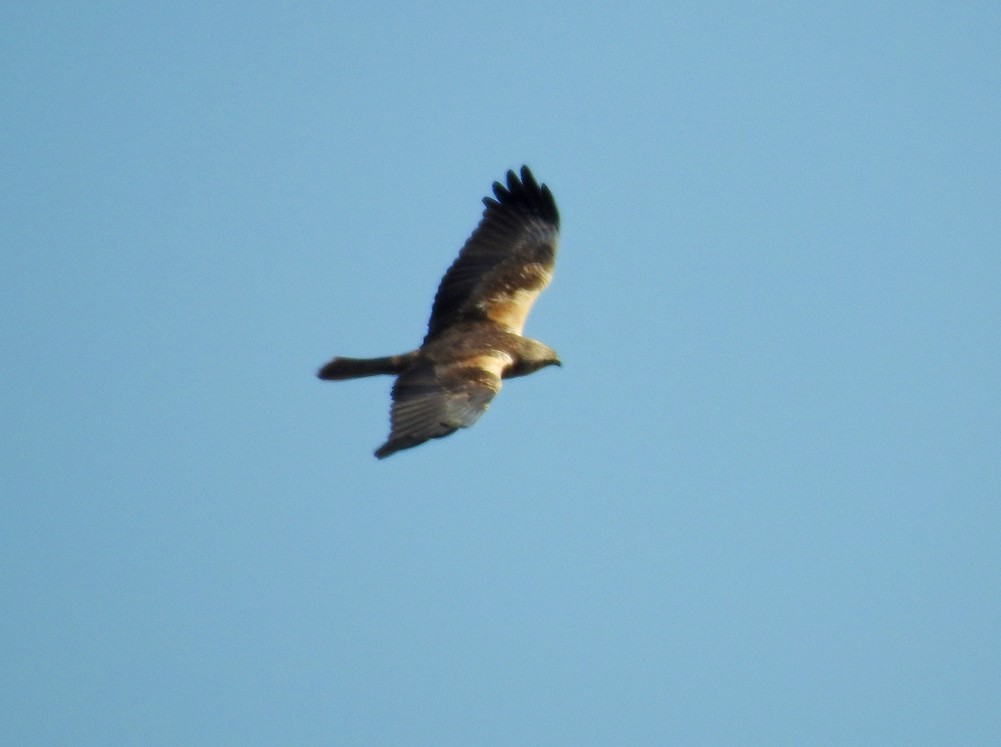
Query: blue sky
x=759, y=504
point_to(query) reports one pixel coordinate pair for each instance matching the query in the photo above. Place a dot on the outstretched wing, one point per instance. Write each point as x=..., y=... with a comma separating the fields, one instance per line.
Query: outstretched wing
x=432, y=401
x=507, y=261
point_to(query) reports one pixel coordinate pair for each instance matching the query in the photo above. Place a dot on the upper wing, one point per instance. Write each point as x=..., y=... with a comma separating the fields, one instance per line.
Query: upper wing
x=508, y=260
x=432, y=401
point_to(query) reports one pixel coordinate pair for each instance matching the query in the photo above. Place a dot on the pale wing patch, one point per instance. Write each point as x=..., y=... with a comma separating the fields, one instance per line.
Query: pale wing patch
x=493, y=363
x=511, y=309
x=509, y=293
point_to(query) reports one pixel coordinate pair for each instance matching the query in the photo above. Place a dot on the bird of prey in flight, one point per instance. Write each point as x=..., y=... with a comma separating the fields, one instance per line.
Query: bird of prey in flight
x=474, y=334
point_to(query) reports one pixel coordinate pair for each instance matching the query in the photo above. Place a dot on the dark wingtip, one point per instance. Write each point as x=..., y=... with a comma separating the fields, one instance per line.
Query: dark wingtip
x=527, y=194
x=387, y=449
x=394, y=445
x=527, y=178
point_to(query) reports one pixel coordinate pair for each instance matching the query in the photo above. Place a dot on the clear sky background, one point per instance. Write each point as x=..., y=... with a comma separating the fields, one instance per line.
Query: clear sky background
x=759, y=504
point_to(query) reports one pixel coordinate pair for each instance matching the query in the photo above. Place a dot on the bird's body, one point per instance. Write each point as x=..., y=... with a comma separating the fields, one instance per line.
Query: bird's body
x=474, y=334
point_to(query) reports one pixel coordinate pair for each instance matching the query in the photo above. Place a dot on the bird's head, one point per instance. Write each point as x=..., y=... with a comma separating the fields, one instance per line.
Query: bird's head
x=533, y=355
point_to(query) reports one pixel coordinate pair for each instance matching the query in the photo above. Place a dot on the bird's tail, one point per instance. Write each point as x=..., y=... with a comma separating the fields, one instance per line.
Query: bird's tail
x=340, y=368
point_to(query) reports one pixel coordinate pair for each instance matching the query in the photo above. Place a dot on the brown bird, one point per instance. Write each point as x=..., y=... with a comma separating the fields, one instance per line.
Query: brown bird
x=474, y=334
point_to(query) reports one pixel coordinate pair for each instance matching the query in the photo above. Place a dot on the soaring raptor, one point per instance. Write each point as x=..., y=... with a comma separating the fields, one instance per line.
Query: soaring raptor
x=474, y=335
